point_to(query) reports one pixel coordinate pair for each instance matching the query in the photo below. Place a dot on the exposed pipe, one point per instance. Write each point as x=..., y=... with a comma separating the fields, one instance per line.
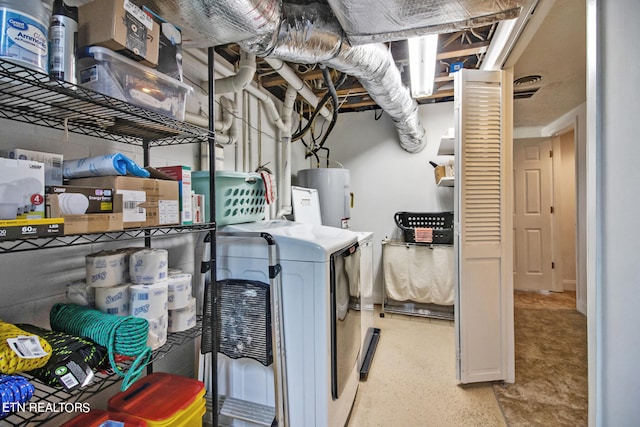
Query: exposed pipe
x=293, y=80
x=240, y=80
x=228, y=115
x=283, y=156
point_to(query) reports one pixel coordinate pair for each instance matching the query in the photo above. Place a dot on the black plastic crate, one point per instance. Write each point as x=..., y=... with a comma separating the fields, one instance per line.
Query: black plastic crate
x=440, y=222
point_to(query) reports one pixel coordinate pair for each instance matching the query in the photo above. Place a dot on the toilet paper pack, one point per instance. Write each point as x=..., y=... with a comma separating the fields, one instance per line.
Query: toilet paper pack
x=107, y=268
x=148, y=265
x=148, y=301
x=179, y=288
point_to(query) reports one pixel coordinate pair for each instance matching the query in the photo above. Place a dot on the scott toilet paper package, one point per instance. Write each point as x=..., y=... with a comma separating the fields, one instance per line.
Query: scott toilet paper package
x=107, y=268
x=149, y=265
x=148, y=301
x=179, y=288
x=157, y=332
x=113, y=300
x=183, y=318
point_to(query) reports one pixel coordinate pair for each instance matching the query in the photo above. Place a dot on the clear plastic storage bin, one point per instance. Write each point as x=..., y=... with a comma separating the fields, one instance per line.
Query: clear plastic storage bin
x=107, y=72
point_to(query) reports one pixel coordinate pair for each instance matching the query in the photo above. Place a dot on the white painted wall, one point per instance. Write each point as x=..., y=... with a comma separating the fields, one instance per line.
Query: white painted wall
x=385, y=179
x=614, y=315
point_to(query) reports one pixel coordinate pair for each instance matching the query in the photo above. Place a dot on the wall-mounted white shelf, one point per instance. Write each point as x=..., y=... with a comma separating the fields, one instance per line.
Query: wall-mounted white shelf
x=446, y=181
x=446, y=146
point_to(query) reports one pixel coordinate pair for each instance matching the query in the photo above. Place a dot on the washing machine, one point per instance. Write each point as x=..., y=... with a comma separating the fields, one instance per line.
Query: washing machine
x=322, y=329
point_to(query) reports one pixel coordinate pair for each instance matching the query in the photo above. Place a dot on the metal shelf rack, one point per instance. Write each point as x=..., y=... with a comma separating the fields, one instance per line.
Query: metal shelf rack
x=21, y=245
x=29, y=96
x=47, y=395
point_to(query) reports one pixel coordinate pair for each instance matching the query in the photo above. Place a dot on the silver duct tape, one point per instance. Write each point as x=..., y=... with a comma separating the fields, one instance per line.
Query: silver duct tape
x=400, y=19
x=206, y=23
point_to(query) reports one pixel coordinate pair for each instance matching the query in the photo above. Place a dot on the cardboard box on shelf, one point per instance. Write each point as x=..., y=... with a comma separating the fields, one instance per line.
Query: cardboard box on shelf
x=89, y=223
x=182, y=174
x=198, y=208
x=21, y=189
x=52, y=163
x=92, y=223
x=145, y=202
x=170, y=46
x=121, y=26
x=31, y=228
x=78, y=200
x=440, y=173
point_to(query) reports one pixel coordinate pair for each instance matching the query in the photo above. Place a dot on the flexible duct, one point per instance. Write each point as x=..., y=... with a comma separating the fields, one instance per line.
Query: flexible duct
x=309, y=35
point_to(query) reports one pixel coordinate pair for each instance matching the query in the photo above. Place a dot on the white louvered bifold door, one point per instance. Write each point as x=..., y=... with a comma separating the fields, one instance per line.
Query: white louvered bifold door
x=484, y=286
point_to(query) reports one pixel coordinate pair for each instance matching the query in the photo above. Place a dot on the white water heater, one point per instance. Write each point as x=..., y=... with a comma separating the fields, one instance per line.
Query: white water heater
x=333, y=191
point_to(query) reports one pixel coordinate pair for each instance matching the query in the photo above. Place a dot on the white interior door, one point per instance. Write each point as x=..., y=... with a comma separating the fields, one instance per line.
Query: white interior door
x=483, y=222
x=532, y=218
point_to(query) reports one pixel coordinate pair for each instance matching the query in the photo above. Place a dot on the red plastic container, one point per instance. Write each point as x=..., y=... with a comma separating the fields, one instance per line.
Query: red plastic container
x=96, y=417
x=163, y=399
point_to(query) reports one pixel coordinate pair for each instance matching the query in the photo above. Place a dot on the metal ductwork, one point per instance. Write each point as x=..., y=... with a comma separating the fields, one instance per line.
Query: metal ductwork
x=207, y=23
x=401, y=19
x=310, y=34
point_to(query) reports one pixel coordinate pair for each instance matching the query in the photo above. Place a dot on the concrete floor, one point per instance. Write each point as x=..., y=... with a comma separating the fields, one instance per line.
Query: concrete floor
x=412, y=381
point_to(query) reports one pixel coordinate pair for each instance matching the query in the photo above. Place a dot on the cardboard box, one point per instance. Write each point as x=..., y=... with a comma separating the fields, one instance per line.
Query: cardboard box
x=170, y=46
x=89, y=223
x=52, y=163
x=182, y=174
x=121, y=26
x=31, y=228
x=21, y=189
x=92, y=223
x=440, y=173
x=198, y=208
x=145, y=202
x=68, y=200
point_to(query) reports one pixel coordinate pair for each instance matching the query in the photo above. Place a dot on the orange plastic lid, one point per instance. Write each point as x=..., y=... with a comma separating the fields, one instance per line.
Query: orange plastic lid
x=158, y=396
x=97, y=417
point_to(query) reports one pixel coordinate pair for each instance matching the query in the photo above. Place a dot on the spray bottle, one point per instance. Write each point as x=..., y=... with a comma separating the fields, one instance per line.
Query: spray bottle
x=63, y=42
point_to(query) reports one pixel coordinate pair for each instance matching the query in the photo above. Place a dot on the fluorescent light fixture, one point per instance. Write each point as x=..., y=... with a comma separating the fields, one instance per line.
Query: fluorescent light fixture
x=422, y=64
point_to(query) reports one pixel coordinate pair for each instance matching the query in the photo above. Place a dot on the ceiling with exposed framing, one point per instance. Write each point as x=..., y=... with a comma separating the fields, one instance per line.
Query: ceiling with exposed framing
x=467, y=46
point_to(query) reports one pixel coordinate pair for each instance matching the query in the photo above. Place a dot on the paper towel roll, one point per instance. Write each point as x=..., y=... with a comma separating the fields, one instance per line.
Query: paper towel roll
x=173, y=270
x=114, y=300
x=183, y=318
x=179, y=288
x=157, y=332
x=106, y=268
x=148, y=301
x=148, y=265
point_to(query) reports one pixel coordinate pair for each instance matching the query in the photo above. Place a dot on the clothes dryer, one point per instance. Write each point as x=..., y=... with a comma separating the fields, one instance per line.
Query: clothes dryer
x=322, y=330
